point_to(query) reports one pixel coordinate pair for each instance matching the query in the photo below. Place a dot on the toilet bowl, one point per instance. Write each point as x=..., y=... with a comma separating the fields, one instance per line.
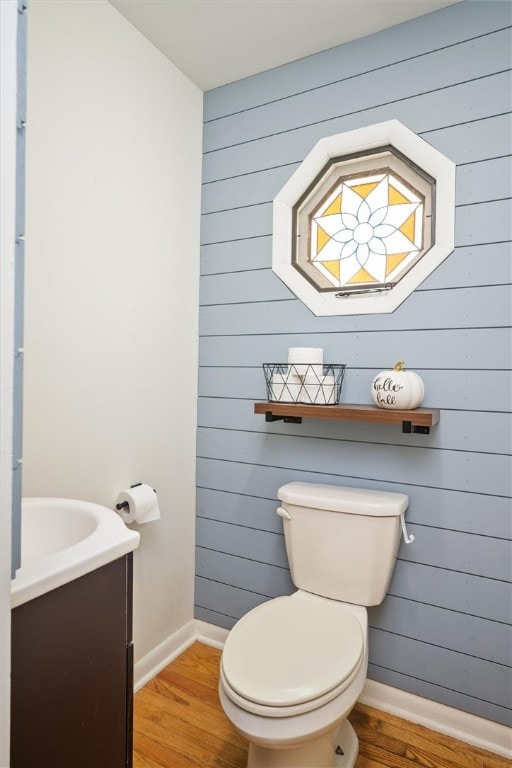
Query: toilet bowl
x=293, y=668
x=291, y=671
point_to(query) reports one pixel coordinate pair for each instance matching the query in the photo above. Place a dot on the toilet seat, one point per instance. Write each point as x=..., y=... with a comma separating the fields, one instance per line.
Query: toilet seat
x=291, y=655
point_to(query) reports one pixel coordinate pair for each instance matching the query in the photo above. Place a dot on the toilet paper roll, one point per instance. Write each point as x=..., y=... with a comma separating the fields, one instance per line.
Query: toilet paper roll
x=142, y=504
x=278, y=380
x=309, y=393
x=328, y=391
x=286, y=388
x=300, y=359
x=321, y=392
x=309, y=374
x=314, y=374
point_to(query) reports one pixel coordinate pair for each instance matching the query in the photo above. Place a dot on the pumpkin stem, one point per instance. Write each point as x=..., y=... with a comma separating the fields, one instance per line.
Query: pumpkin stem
x=399, y=366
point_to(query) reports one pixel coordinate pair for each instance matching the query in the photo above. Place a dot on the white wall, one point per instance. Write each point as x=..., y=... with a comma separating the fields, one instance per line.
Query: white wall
x=113, y=195
x=8, y=27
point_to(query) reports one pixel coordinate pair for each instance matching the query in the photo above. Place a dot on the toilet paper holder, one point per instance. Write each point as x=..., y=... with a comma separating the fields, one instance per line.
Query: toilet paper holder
x=124, y=504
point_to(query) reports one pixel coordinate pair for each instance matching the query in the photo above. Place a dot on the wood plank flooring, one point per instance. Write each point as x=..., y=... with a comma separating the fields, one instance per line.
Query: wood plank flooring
x=179, y=723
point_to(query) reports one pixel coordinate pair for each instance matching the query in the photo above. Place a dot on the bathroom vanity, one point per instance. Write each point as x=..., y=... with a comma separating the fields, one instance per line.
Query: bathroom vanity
x=72, y=673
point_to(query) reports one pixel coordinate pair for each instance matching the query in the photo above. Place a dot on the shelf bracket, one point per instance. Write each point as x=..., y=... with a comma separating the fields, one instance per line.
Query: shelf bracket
x=408, y=427
x=269, y=416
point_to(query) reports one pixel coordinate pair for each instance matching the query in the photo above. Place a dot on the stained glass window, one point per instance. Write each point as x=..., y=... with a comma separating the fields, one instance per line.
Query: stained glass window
x=364, y=223
x=364, y=219
x=367, y=231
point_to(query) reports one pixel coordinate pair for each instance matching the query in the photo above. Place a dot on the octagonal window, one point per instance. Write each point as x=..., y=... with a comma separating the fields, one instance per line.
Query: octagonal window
x=362, y=225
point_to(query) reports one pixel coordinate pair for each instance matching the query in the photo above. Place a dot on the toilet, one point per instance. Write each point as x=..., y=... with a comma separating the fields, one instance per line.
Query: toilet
x=293, y=667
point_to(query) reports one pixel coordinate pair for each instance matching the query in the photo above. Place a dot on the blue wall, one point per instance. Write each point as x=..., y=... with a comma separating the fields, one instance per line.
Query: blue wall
x=443, y=632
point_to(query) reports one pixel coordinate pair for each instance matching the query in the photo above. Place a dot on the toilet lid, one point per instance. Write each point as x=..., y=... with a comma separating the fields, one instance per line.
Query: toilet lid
x=292, y=650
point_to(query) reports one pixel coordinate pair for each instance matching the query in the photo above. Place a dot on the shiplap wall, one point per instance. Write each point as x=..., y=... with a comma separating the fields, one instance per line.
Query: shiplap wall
x=443, y=632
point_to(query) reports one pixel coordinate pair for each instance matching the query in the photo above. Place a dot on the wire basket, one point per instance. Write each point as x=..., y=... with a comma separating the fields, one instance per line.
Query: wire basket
x=311, y=383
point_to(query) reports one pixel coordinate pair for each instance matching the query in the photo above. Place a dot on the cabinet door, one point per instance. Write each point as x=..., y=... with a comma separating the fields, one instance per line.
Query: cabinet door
x=70, y=696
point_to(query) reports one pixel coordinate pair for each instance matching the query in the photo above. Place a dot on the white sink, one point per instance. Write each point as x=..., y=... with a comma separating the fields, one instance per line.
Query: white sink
x=63, y=539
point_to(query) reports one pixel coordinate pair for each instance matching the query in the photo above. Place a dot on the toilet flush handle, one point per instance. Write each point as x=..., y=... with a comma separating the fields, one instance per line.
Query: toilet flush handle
x=283, y=513
x=408, y=539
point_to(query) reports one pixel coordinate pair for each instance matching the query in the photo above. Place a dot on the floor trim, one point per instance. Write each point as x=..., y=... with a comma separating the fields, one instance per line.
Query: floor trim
x=210, y=634
x=464, y=726
x=456, y=723
x=153, y=662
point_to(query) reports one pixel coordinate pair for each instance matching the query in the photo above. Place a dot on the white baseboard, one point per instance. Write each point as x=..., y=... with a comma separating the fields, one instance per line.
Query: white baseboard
x=471, y=729
x=210, y=634
x=464, y=726
x=153, y=662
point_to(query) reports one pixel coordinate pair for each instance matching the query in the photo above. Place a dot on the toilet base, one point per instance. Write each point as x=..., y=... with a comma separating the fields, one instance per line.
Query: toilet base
x=319, y=753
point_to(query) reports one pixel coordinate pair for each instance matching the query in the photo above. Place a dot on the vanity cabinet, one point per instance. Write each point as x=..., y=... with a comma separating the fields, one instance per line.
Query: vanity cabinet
x=72, y=674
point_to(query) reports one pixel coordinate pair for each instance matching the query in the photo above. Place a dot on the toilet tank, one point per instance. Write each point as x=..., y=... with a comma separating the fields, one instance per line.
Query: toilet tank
x=341, y=542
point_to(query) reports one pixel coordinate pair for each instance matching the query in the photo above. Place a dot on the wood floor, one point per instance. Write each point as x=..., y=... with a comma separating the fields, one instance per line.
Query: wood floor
x=179, y=723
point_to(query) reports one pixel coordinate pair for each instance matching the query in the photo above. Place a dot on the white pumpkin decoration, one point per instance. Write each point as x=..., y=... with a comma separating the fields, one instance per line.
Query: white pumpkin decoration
x=399, y=389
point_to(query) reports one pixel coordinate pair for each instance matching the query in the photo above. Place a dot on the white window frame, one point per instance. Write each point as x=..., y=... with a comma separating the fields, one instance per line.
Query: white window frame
x=433, y=162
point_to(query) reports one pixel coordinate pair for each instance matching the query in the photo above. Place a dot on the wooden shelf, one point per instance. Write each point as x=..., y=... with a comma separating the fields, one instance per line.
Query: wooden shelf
x=420, y=420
